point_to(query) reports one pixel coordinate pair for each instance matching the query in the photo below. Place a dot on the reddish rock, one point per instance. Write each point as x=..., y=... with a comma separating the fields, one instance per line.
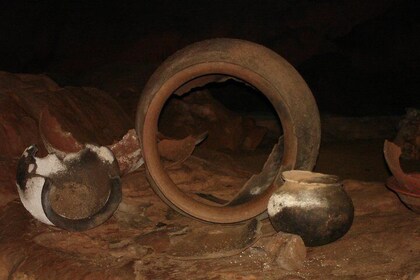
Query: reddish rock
x=90, y=114
x=254, y=135
x=17, y=129
x=7, y=181
x=199, y=112
x=288, y=251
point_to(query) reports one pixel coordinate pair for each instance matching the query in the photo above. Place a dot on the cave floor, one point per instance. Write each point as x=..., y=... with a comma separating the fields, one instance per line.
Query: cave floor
x=383, y=242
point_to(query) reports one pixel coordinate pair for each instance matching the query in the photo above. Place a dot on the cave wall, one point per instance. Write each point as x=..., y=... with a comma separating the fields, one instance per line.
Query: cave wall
x=358, y=57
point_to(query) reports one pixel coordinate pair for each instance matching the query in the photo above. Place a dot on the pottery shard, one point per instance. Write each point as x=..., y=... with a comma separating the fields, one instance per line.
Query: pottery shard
x=90, y=114
x=175, y=150
x=127, y=151
x=286, y=250
x=54, y=138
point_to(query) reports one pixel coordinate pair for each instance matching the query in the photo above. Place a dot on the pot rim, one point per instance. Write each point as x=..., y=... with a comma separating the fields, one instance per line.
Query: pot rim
x=310, y=178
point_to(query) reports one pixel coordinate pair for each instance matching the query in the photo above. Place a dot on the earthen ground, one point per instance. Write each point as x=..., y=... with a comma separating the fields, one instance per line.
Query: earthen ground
x=383, y=242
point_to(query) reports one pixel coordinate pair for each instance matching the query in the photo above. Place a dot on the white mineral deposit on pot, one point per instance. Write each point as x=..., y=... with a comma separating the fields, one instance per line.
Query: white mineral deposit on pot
x=31, y=198
x=103, y=152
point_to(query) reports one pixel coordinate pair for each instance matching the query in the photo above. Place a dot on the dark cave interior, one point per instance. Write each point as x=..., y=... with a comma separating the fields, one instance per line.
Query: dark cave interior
x=73, y=71
x=359, y=58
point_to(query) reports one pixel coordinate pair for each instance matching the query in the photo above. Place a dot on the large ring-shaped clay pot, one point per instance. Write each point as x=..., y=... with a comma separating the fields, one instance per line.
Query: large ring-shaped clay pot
x=218, y=60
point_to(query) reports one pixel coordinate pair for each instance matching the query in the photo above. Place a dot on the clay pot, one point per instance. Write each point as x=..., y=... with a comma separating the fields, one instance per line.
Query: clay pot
x=312, y=205
x=217, y=61
x=76, y=193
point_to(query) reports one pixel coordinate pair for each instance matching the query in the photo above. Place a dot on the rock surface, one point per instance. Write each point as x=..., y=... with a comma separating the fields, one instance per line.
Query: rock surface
x=24, y=96
x=90, y=114
x=199, y=111
x=135, y=243
x=408, y=137
x=382, y=243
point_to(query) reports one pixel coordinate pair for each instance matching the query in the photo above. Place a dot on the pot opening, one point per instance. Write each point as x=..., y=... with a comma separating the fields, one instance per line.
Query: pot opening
x=240, y=128
x=308, y=177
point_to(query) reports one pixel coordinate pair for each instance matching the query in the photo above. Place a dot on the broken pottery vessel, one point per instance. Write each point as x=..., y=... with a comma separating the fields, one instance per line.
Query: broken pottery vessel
x=77, y=192
x=60, y=141
x=406, y=185
x=311, y=205
x=126, y=151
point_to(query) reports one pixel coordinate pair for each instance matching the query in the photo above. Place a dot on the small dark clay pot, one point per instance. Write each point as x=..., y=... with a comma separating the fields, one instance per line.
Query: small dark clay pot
x=312, y=205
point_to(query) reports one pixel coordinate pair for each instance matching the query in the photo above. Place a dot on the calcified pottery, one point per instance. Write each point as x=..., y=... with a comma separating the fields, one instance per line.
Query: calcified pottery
x=312, y=205
x=76, y=192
